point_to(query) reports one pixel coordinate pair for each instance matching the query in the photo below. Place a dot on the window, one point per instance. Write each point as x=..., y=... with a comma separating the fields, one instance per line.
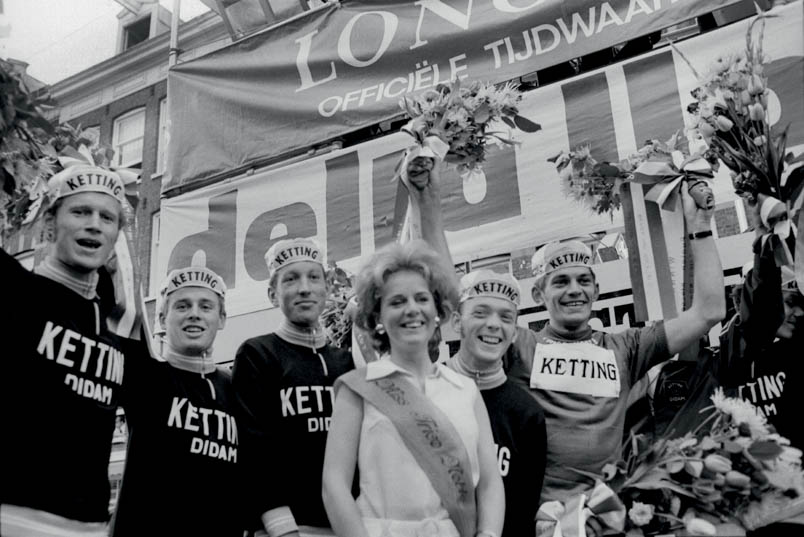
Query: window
x=161, y=149
x=127, y=136
x=153, y=279
x=136, y=32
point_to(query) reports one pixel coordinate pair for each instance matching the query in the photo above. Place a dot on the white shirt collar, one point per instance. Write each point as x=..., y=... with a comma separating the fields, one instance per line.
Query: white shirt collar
x=385, y=367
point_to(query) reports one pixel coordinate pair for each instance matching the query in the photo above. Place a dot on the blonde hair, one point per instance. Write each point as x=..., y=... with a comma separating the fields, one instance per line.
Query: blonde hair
x=414, y=256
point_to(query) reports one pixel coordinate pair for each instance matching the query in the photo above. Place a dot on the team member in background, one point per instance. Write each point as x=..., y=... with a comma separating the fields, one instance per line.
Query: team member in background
x=63, y=367
x=283, y=383
x=761, y=347
x=486, y=323
x=181, y=466
x=582, y=377
x=418, y=432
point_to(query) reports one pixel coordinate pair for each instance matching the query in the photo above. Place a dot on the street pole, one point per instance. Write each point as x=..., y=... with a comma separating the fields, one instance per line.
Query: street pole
x=173, y=53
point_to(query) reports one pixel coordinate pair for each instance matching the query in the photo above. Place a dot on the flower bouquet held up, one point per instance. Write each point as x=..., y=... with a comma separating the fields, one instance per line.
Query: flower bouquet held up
x=454, y=123
x=731, y=112
x=662, y=164
x=731, y=472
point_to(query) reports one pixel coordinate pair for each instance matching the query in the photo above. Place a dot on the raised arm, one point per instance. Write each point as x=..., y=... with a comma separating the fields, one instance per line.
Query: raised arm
x=709, y=301
x=340, y=459
x=490, y=491
x=425, y=191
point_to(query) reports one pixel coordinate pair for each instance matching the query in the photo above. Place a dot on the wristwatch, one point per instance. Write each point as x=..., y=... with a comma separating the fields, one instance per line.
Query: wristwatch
x=700, y=235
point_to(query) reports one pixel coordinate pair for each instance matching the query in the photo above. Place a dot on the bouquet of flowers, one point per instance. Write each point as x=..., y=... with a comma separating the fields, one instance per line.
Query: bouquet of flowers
x=661, y=163
x=732, y=470
x=336, y=317
x=461, y=116
x=730, y=112
x=592, y=183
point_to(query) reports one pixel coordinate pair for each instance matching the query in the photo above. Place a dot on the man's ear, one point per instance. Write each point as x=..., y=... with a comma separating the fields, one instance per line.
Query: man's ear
x=162, y=319
x=536, y=294
x=49, y=228
x=272, y=296
x=597, y=292
x=455, y=322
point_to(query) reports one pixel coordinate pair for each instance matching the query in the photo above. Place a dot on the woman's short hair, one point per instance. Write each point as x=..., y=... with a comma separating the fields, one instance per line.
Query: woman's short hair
x=414, y=256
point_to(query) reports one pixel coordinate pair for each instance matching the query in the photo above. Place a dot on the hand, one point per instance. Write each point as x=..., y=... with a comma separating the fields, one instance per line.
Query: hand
x=424, y=175
x=419, y=171
x=697, y=218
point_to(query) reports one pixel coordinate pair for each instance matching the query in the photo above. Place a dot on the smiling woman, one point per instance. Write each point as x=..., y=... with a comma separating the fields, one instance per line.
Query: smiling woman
x=401, y=419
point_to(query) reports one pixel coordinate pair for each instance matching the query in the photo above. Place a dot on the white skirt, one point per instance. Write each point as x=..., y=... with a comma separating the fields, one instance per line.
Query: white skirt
x=429, y=527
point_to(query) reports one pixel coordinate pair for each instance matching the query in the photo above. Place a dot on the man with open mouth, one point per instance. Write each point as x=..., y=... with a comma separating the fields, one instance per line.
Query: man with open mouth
x=283, y=383
x=64, y=367
x=486, y=321
x=582, y=377
x=182, y=459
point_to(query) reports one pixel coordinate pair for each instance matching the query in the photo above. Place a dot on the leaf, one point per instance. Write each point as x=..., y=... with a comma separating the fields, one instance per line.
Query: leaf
x=732, y=447
x=508, y=121
x=765, y=449
x=482, y=113
x=526, y=125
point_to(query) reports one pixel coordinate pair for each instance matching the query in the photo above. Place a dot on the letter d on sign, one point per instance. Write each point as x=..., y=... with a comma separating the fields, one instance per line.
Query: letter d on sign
x=217, y=242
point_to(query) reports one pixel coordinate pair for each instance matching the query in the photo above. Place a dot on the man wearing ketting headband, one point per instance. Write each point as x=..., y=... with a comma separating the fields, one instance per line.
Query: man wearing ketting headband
x=183, y=451
x=63, y=367
x=581, y=377
x=486, y=322
x=283, y=383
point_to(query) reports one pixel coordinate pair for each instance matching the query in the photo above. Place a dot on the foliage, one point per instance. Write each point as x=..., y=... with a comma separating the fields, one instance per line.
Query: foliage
x=336, y=317
x=727, y=470
x=462, y=116
x=30, y=151
x=597, y=184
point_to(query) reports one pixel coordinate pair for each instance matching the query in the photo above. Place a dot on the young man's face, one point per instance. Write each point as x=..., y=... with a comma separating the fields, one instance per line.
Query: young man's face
x=568, y=296
x=793, y=315
x=192, y=318
x=487, y=326
x=300, y=292
x=85, y=230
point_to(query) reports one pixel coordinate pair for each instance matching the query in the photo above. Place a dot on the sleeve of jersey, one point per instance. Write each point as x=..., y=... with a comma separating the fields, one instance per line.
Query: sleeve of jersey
x=254, y=379
x=135, y=374
x=645, y=348
x=536, y=435
x=15, y=277
x=761, y=306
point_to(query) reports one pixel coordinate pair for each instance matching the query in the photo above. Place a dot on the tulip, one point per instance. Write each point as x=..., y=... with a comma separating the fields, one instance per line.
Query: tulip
x=755, y=85
x=717, y=463
x=706, y=129
x=760, y=140
x=764, y=99
x=745, y=98
x=723, y=123
x=699, y=526
x=737, y=479
x=756, y=112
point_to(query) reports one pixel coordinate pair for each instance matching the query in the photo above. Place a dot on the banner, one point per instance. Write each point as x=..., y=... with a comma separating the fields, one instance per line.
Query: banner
x=346, y=199
x=346, y=66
